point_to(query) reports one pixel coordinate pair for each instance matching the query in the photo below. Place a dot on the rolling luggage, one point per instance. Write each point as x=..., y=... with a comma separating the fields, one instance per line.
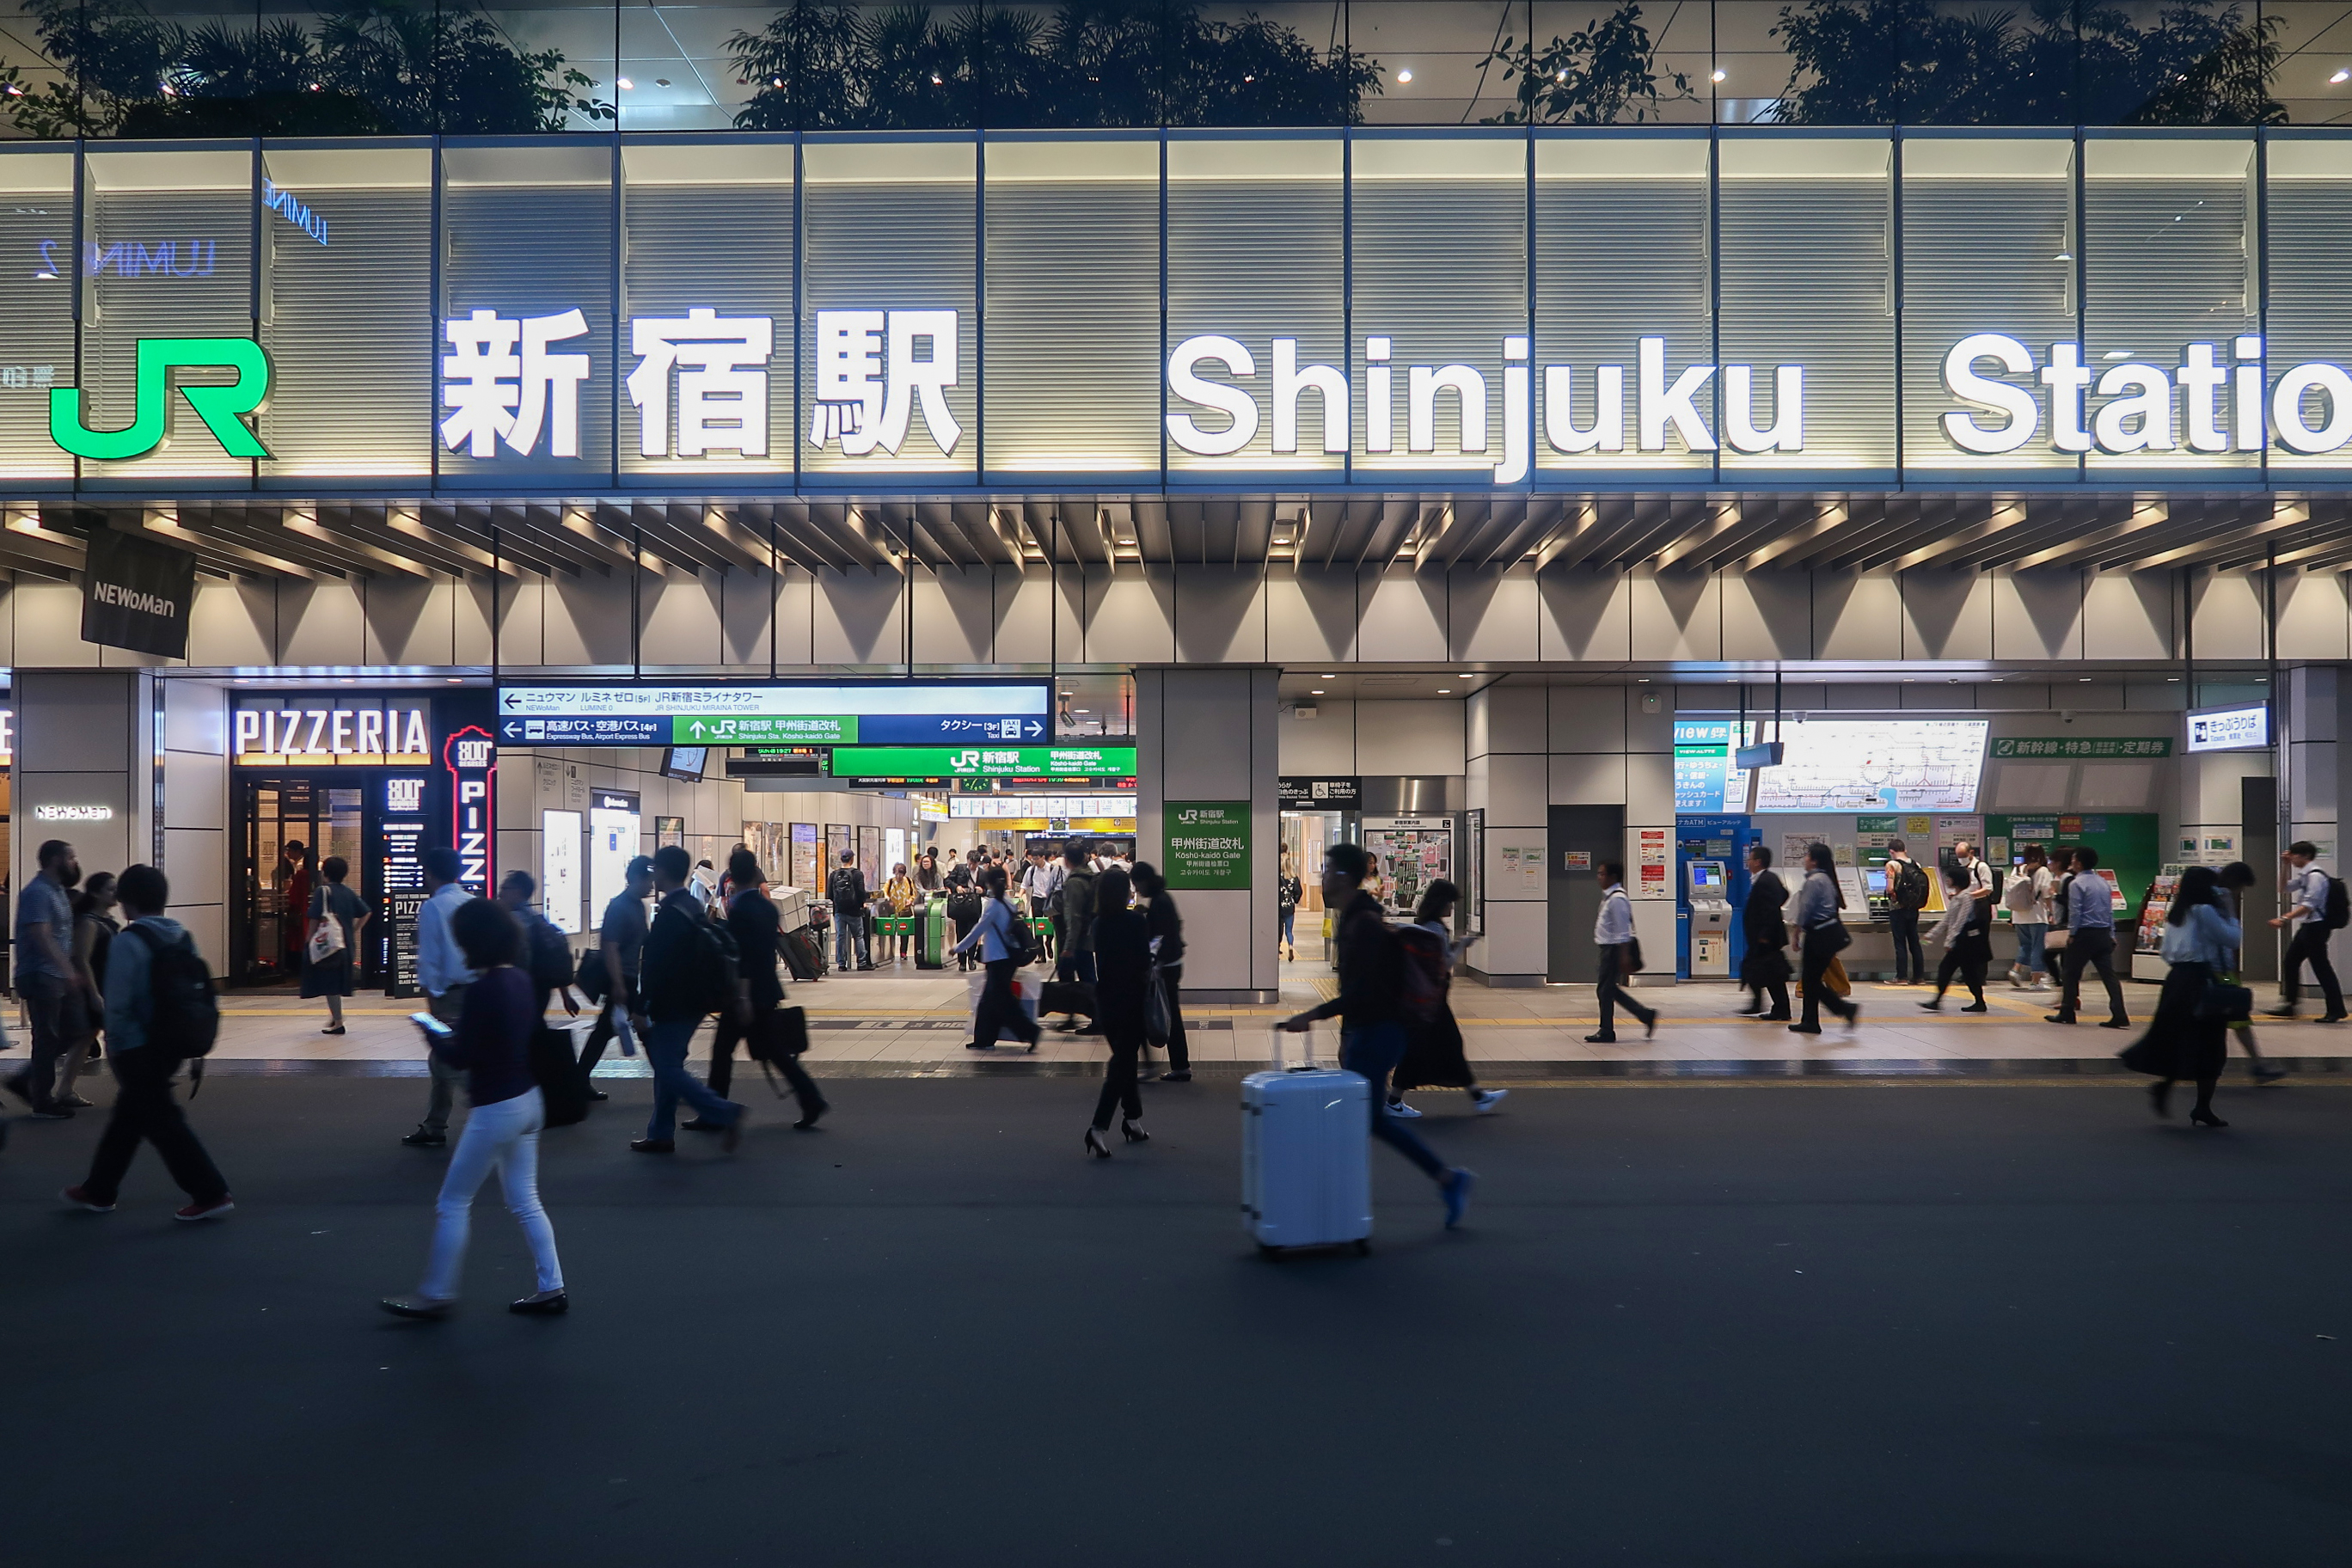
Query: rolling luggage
x=1307, y=1175
x=1071, y=996
x=931, y=932
x=802, y=956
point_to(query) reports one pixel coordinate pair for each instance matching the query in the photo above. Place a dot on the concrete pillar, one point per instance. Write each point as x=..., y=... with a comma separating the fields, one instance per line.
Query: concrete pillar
x=2314, y=695
x=1510, y=748
x=197, y=843
x=1208, y=736
x=85, y=768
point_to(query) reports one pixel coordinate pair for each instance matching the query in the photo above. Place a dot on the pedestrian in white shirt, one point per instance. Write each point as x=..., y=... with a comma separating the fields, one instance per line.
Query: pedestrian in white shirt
x=1612, y=933
x=2027, y=898
x=2307, y=891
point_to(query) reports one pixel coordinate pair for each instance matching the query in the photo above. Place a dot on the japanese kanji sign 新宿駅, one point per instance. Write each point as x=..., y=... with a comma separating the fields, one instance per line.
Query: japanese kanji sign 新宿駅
x=983, y=762
x=1208, y=844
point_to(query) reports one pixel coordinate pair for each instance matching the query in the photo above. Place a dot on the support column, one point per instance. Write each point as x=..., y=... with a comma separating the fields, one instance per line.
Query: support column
x=2314, y=701
x=1207, y=737
x=1508, y=779
x=85, y=768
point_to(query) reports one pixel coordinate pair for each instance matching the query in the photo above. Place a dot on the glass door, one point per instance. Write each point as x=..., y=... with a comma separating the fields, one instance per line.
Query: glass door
x=289, y=825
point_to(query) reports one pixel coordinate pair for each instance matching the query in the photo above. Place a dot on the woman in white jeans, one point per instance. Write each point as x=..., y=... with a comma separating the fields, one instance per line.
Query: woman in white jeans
x=492, y=1044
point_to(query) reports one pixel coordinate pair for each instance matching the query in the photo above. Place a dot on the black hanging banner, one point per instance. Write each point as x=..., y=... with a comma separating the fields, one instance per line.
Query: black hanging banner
x=136, y=594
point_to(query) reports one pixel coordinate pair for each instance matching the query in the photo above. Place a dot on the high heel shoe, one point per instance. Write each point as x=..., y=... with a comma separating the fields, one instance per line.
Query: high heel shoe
x=2204, y=1118
x=1097, y=1145
x=1133, y=1132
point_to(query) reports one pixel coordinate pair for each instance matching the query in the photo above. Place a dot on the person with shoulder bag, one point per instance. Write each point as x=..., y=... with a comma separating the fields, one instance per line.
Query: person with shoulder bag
x=1434, y=1055
x=1620, y=957
x=1907, y=895
x=2189, y=1036
x=160, y=1012
x=1764, y=967
x=1966, y=936
x=1076, y=962
x=330, y=958
x=1166, y=928
x=1822, y=936
x=608, y=971
x=2027, y=898
x=1000, y=938
x=757, y=926
x=691, y=970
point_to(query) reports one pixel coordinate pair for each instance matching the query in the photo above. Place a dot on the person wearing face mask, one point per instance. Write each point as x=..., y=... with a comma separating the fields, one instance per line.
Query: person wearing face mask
x=47, y=980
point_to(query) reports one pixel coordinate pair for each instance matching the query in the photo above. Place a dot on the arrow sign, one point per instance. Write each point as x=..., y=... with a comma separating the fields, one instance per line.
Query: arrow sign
x=1036, y=728
x=697, y=727
x=514, y=699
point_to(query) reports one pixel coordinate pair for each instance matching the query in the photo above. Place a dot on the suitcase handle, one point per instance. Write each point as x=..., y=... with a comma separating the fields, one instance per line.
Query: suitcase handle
x=1308, y=1051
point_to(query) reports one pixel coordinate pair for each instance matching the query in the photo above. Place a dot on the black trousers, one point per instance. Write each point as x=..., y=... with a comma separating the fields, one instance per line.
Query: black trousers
x=1910, y=958
x=2087, y=947
x=998, y=1011
x=1118, y=1082
x=143, y=1108
x=1611, y=990
x=1817, y=991
x=1771, y=995
x=2310, y=944
x=724, y=1034
x=1970, y=955
x=1180, y=1050
x=600, y=1034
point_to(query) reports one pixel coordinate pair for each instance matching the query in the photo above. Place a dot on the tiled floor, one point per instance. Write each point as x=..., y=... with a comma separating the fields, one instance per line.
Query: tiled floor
x=902, y=1016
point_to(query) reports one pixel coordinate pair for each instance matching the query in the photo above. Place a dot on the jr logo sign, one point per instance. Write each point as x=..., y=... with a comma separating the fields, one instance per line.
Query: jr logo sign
x=220, y=407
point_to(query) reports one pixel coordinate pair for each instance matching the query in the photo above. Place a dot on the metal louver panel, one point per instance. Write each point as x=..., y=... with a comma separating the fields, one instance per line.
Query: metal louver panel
x=727, y=249
x=350, y=335
x=36, y=351
x=2310, y=263
x=1073, y=326
x=171, y=265
x=536, y=251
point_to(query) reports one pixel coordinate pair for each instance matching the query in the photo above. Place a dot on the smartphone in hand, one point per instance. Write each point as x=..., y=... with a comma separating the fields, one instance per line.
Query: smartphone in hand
x=434, y=1031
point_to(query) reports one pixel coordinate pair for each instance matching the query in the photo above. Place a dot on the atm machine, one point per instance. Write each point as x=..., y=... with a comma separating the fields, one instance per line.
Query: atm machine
x=1709, y=892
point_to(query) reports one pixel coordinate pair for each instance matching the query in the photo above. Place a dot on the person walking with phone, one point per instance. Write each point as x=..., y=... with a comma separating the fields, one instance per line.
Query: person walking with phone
x=675, y=1007
x=338, y=915
x=1613, y=934
x=997, y=936
x=620, y=950
x=757, y=926
x=1821, y=935
x=1121, y=941
x=1372, y=1020
x=491, y=1046
x=442, y=972
x=140, y=1036
x=2307, y=890
x=2090, y=940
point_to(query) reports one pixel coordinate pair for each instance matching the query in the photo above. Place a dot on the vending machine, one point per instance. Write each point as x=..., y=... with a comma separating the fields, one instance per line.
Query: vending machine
x=1707, y=892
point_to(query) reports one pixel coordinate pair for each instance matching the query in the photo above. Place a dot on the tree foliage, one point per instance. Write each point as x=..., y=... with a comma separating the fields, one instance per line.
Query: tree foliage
x=374, y=69
x=822, y=64
x=1591, y=76
x=1878, y=62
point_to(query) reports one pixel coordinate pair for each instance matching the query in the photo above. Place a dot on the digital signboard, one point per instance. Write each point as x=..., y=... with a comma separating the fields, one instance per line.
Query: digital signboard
x=887, y=714
x=912, y=763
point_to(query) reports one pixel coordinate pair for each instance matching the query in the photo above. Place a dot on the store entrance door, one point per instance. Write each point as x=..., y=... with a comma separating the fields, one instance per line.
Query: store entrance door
x=1583, y=838
x=274, y=813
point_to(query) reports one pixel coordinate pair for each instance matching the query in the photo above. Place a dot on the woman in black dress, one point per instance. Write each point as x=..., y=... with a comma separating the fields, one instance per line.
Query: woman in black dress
x=1166, y=928
x=1122, y=944
x=2188, y=1036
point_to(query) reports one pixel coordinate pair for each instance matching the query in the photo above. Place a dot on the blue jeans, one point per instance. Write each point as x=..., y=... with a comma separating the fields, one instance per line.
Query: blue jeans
x=848, y=932
x=2030, y=956
x=666, y=1046
x=1374, y=1054
x=1289, y=918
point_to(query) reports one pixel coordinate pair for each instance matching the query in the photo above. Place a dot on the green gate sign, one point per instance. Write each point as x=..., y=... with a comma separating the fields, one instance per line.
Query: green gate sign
x=1208, y=844
x=983, y=762
x=219, y=407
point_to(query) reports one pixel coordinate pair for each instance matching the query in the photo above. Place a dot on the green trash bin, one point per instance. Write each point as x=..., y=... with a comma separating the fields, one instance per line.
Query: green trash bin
x=930, y=926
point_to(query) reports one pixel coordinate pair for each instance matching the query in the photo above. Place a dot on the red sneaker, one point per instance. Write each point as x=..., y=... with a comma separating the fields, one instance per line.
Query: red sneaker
x=215, y=1209
x=79, y=1197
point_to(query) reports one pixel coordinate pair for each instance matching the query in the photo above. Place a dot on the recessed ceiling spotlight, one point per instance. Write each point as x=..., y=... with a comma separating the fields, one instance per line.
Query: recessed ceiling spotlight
x=1317, y=692
x=625, y=84
x=2339, y=78
x=1404, y=75
x=1716, y=75
x=1446, y=692
x=2084, y=679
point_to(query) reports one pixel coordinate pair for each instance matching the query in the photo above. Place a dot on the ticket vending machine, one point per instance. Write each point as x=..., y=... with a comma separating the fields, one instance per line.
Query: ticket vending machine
x=1708, y=893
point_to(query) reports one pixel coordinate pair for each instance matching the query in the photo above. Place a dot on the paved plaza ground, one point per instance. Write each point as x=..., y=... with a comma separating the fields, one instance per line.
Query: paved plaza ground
x=1867, y=1321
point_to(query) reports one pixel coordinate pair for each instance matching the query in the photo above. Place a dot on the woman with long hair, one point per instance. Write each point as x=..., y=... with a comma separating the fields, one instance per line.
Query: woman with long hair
x=94, y=930
x=2188, y=1036
x=1821, y=938
x=331, y=976
x=492, y=1044
x=1166, y=929
x=1122, y=948
x=1434, y=1055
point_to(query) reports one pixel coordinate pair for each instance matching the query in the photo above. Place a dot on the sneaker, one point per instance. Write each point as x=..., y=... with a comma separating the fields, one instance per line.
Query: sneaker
x=426, y=1138
x=1398, y=1108
x=428, y=1307
x=2040, y=983
x=79, y=1197
x=220, y=1208
x=76, y=1102
x=541, y=1304
x=1487, y=1099
x=1456, y=1193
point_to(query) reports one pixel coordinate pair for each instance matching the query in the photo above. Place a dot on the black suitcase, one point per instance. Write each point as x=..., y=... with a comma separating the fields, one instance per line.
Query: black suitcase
x=1066, y=997
x=801, y=956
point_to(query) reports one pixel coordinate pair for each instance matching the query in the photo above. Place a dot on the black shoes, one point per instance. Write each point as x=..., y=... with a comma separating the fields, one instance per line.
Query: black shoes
x=2334, y=1017
x=1177, y=1074
x=426, y=1138
x=1934, y=1004
x=2206, y=1119
x=1133, y=1133
x=598, y=1094
x=2116, y=1024
x=1599, y=1039
x=1976, y=1007
x=653, y=1145
x=2159, y=1098
x=2058, y=1019
x=1097, y=1145
x=809, y=1117
x=702, y=1124
x=541, y=1304
x=1804, y=1029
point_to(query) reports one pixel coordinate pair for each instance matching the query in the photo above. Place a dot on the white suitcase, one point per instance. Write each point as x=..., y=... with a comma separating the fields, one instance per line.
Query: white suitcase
x=1306, y=1175
x=1026, y=991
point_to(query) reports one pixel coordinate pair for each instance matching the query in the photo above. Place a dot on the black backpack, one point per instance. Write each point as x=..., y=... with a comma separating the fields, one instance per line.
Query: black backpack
x=716, y=968
x=1020, y=941
x=184, y=1020
x=2338, y=913
x=1911, y=887
x=550, y=955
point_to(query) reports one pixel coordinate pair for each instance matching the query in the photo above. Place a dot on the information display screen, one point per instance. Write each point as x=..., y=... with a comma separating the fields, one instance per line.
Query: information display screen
x=890, y=713
x=1707, y=780
x=1877, y=764
x=558, y=862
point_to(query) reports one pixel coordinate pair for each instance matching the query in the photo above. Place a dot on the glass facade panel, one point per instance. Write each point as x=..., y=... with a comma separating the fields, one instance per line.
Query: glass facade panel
x=1622, y=246
x=1439, y=64
x=1825, y=306
x=888, y=337
x=1600, y=62
x=347, y=307
x=167, y=252
x=1073, y=305
x=2170, y=283
x=522, y=69
x=706, y=376
x=1440, y=264
x=527, y=345
x=2310, y=278
x=1988, y=248
x=37, y=347
x=1256, y=253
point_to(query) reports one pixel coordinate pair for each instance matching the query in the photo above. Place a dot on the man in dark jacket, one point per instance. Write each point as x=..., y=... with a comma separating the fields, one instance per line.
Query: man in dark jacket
x=757, y=926
x=1765, y=967
x=846, y=889
x=674, y=1009
x=1077, y=960
x=1371, y=1025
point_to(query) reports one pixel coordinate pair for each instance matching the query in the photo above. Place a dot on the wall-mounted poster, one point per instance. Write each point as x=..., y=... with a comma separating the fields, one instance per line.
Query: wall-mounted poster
x=1909, y=764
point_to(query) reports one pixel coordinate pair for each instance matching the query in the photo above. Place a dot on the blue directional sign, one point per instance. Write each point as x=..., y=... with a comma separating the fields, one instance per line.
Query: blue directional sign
x=889, y=713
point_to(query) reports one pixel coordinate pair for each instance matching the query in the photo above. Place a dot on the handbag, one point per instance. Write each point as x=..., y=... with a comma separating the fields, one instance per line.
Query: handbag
x=326, y=939
x=2225, y=1001
x=1159, y=1018
x=1827, y=937
x=2054, y=939
x=557, y=1072
x=1634, y=956
x=590, y=980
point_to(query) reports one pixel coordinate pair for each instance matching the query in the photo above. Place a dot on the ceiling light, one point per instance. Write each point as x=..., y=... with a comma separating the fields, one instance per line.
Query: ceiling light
x=2173, y=678
x=624, y=83
x=1404, y=75
x=456, y=681
x=2084, y=679
x=2062, y=256
x=1715, y=75
x=1330, y=677
x=1641, y=680
x=1446, y=692
x=2339, y=78
x=1317, y=692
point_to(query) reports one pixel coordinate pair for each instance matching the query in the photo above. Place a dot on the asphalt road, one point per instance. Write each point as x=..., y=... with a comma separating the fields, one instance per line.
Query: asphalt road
x=1928, y=1324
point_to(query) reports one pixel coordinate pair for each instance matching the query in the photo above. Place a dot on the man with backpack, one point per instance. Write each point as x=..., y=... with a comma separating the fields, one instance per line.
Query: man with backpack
x=160, y=1012
x=1371, y=1006
x=846, y=891
x=546, y=956
x=1907, y=895
x=691, y=971
x=2317, y=907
